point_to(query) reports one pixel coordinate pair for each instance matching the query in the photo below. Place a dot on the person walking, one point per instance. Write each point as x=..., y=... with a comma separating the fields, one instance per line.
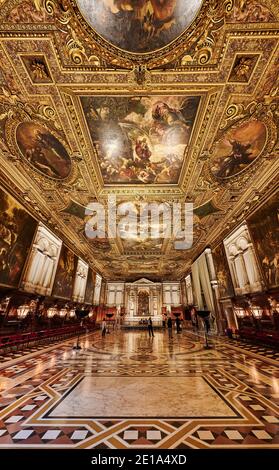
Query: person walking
x=150, y=327
x=104, y=327
x=169, y=324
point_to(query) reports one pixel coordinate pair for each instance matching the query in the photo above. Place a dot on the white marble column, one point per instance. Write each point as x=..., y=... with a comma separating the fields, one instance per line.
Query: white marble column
x=210, y=264
x=233, y=271
x=241, y=271
x=151, y=300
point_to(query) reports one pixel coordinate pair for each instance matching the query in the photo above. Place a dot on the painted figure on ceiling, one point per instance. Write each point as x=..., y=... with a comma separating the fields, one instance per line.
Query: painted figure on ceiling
x=141, y=140
x=240, y=154
x=142, y=150
x=169, y=124
x=139, y=25
x=162, y=10
x=238, y=148
x=43, y=150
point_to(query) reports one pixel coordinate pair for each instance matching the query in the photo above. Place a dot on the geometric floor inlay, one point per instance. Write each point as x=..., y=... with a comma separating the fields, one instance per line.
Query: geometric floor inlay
x=130, y=391
x=127, y=397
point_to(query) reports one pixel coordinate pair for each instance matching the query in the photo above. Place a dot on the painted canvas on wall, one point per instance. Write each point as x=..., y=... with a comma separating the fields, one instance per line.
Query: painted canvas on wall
x=142, y=25
x=238, y=148
x=264, y=228
x=140, y=139
x=65, y=274
x=89, y=291
x=43, y=150
x=143, y=303
x=17, y=229
x=222, y=272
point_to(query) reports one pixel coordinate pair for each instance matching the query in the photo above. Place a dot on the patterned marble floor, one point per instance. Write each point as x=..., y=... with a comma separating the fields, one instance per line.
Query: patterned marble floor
x=129, y=391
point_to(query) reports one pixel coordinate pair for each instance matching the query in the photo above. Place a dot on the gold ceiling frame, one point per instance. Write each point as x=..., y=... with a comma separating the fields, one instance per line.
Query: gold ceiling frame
x=46, y=199
x=133, y=57
x=75, y=112
x=199, y=36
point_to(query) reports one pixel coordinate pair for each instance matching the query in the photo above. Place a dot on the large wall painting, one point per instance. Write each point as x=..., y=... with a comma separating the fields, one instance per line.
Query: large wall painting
x=139, y=25
x=264, y=228
x=43, y=150
x=140, y=139
x=65, y=274
x=143, y=303
x=89, y=291
x=17, y=229
x=222, y=272
x=238, y=148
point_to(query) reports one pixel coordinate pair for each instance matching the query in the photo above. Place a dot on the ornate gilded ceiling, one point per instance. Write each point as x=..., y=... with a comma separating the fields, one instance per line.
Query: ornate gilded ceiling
x=139, y=26
x=183, y=110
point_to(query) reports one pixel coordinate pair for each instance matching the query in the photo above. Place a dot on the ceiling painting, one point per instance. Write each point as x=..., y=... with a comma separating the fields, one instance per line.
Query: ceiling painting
x=243, y=67
x=43, y=150
x=184, y=110
x=139, y=26
x=140, y=140
x=239, y=148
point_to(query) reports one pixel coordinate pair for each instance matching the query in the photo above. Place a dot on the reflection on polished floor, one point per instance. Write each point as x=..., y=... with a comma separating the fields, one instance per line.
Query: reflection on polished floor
x=127, y=390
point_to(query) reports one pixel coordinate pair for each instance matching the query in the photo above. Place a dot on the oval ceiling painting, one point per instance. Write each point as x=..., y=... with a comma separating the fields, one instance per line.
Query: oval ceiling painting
x=43, y=150
x=139, y=25
x=238, y=148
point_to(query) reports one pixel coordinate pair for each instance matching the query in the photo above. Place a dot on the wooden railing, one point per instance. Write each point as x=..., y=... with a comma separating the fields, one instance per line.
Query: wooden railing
x=15, y=341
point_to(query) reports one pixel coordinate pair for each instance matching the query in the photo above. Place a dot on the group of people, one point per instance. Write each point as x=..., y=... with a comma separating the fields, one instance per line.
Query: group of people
x=166, y=323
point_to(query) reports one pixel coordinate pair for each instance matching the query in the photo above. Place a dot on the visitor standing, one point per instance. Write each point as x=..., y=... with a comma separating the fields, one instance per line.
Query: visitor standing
x=104, y=327
x=150, y=327
x=169, y=324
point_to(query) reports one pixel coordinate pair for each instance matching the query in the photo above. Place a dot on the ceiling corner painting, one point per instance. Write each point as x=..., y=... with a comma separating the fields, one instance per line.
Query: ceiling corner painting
x=65, y=274
x=140, y=140
x=43, y=150
x=17, y=229
x=139, y=26
x=238, y=148
x=264, y=228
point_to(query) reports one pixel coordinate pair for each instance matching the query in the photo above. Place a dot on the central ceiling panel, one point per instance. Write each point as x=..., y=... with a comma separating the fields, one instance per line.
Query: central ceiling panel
x=139, y=26
x=140, y=140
